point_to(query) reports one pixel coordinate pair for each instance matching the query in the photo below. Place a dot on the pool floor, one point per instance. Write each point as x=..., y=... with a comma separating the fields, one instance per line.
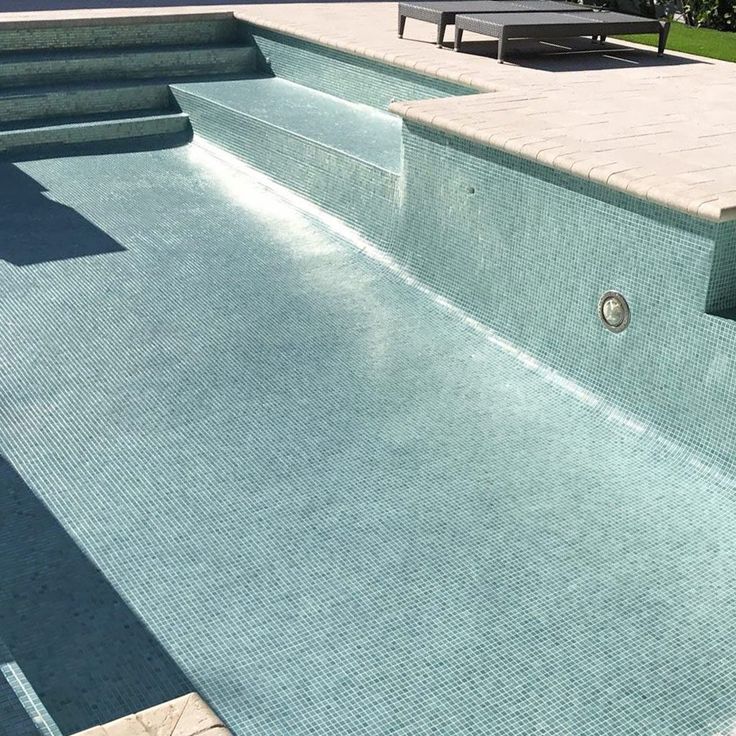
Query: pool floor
x=274, y=472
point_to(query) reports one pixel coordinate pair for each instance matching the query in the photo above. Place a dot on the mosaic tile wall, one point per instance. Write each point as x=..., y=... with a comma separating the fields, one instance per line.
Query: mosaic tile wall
x=722, y=286
x=350, y=77
x=175, y=61
x=88, y=100
x=529, y=250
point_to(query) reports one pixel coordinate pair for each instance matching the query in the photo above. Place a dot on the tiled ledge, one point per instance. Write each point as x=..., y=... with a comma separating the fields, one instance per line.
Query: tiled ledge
x=188, y=715
x=632, y=172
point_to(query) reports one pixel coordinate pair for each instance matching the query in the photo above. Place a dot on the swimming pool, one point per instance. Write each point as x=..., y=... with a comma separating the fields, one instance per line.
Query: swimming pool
x=327, y=429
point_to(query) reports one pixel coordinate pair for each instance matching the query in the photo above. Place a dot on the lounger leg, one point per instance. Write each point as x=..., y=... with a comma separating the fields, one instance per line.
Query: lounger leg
x=402, y=23
x=595, y=38
x=458, y=38
x=664, y=31
x=441, y=33
x=500, y=48
x=602, y=39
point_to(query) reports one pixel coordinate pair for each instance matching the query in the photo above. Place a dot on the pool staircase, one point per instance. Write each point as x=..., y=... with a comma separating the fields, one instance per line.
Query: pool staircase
x=104, y=79
x=21, y=711
x=141, y=80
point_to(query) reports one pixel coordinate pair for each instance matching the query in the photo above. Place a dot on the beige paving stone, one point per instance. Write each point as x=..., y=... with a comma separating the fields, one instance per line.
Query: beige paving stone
x=127, y=726
x=161, y=720
x=550, y=155
x=196, y=718
x=94, y=731
x=188, y=715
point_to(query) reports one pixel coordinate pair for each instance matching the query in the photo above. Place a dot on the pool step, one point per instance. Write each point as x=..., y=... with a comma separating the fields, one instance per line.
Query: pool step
x=13, y=717
x=19, y=69
x=35, y=136
x=21, y=711
x=334, y=152
x=87, y=99
x=104, y=32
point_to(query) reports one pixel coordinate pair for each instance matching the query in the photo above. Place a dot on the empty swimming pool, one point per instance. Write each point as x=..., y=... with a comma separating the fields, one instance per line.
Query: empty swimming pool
x=313, y=414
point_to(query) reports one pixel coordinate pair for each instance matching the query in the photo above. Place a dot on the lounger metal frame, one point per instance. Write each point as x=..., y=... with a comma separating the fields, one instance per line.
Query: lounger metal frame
x=506, y=26
x=442, y=14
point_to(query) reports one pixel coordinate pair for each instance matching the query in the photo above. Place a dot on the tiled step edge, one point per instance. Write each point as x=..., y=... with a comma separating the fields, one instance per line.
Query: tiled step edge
x=86, y=132
x=72, y=67
x=95, y=33
x=27, y=104
x=39, y=721
x=188, y=715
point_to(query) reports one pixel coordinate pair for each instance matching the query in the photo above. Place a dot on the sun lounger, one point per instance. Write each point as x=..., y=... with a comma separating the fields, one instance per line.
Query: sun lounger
x=506, y=26
x=442, y=14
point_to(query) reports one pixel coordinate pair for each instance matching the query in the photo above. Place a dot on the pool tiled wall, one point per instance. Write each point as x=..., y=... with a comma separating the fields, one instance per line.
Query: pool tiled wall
x=722, y=286
x=363, y=195
x=350, y=77
x=529, y=250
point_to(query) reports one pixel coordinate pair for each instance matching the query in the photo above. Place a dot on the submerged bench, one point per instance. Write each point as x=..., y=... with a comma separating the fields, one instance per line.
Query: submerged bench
x=505, y=26
x=442, y=14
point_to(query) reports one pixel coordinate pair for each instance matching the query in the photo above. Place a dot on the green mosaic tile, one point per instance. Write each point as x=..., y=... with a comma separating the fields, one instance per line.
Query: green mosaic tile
x=350, y=77
x=22, y=69
x=86, y=99
x=721, y=296
x=97, y=35
x=529, y=250
x=353, y=177
x=244, y=458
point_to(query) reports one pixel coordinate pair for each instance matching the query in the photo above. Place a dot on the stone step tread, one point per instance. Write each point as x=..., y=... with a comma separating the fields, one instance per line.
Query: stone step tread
x=357, y=130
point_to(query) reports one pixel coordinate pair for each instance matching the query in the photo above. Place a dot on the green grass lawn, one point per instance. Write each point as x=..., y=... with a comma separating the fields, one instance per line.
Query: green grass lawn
x=701, y=41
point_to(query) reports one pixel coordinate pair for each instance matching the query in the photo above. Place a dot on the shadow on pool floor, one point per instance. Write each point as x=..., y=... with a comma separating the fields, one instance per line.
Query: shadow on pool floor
x=71, y=633
x=36, y=229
